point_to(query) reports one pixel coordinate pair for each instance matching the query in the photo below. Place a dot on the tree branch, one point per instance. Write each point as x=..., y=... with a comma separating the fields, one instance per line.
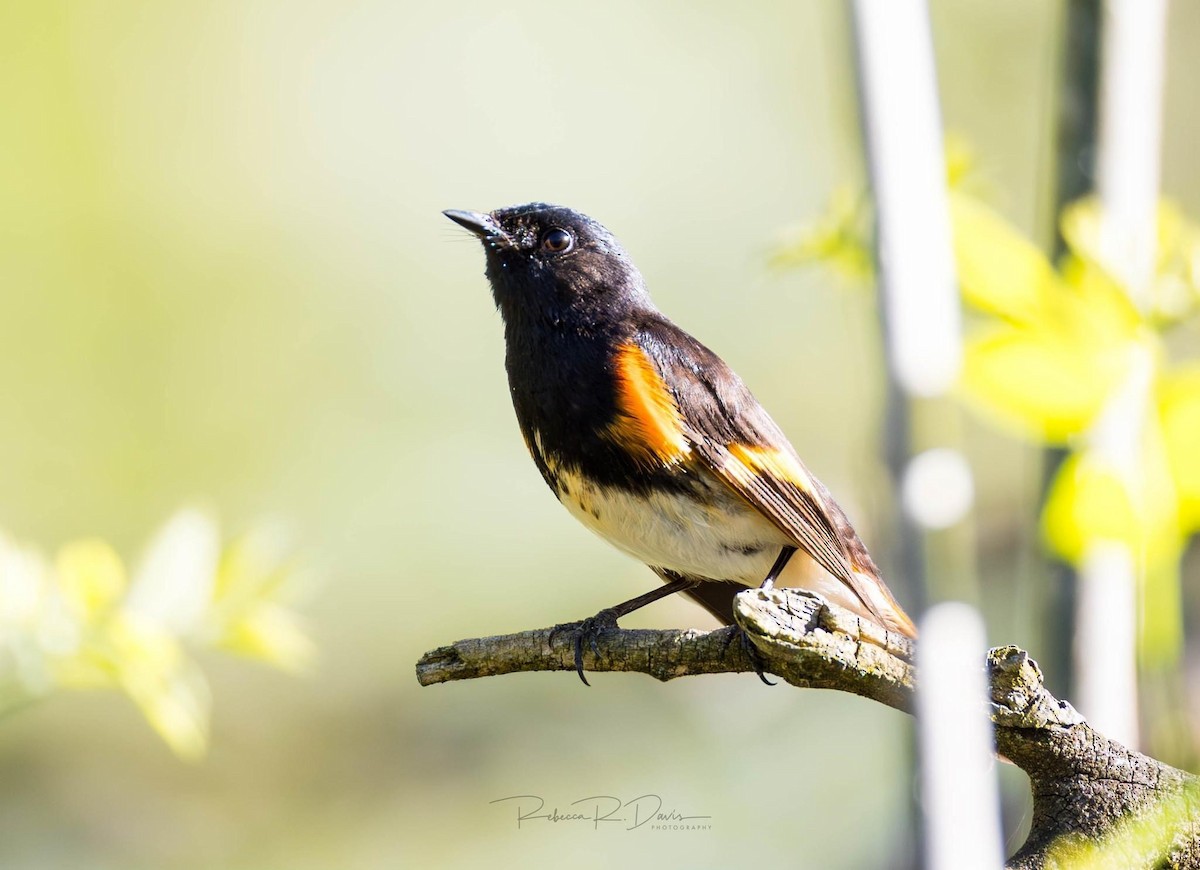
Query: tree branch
x=1085, y=787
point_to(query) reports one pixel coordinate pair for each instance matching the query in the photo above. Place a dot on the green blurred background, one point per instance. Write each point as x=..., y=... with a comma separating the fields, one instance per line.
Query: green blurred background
x=224, y=276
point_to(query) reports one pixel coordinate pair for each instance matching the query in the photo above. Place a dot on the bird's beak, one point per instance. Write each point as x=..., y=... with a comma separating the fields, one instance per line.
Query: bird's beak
x=481, y=225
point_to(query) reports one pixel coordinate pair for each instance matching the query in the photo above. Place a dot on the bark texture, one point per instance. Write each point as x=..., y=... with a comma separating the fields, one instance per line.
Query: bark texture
x=1086, y=788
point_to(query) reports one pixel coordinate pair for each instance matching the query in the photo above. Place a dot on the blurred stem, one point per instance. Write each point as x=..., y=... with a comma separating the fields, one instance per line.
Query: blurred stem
x=952, y=571
x=909, y=551
x=1127, y=181
x=901, y=127
x=1077, y=106
x=1075, y=158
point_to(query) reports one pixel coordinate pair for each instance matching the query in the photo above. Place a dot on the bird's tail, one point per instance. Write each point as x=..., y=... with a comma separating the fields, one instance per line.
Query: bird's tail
x=717, y=599
x=868, y=596
x=894, y=617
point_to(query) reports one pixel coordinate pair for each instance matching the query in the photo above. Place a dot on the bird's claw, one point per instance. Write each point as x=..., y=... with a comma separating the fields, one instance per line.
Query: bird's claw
x=752, y=653
x=588, y=630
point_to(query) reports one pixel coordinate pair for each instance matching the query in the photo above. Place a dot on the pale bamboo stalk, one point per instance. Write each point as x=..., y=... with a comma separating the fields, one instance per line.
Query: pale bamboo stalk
x=1128, y=167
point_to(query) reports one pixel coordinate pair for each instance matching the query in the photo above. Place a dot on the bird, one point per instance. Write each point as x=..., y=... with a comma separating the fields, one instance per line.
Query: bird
x=650, y=439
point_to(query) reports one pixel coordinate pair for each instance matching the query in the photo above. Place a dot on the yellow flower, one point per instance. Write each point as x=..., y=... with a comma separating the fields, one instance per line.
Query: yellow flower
x=81, y=624
x=999, y=270
x=1057, y=355
x=1060, y=343
x=1179, y=407
x=1060, y=355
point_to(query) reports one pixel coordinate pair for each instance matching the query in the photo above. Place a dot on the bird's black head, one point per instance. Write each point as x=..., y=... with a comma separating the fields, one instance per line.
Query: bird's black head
x=552, y=265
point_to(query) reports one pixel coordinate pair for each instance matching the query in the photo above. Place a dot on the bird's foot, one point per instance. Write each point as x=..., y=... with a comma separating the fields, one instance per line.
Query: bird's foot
x=756, y=660
x=587, y=631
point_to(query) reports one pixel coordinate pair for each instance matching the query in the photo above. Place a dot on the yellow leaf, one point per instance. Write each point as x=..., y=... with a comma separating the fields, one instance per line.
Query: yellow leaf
x=1093, y=305
x=1180, y=409
x=1000, y=271
x=273, y=634
x=837, y=239
x=1092, y=501
x=256, y=578
x=1080, y=224
x=91, y=577
x=1041, y=383
x=177, y=706
x=254, y=565
x=1087, y=502
x=168, y=687
x=1176, y=283
x=173, y=582
x=960, y=160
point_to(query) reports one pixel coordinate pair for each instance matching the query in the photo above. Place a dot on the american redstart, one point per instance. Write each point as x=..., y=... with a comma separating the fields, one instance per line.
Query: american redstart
x=648, y=438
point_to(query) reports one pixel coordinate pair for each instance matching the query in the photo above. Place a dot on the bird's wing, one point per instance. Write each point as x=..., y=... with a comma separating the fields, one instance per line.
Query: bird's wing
x=700, y=401
x=774, y=483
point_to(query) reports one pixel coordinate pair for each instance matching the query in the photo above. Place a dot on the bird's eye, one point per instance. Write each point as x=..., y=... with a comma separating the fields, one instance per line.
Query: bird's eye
x=556, y=241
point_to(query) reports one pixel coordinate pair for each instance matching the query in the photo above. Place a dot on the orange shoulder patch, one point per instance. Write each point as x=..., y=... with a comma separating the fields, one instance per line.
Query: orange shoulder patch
x=648, y=422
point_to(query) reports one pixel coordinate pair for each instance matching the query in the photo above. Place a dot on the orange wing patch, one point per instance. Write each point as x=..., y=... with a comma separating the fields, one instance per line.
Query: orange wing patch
x=780, y=464
x=648, y=422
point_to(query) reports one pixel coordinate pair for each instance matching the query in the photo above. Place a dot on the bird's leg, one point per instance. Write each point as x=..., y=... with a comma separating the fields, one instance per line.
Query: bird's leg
x=785, y=553
x=606, y=620
x=752, y=653
x=777, y=569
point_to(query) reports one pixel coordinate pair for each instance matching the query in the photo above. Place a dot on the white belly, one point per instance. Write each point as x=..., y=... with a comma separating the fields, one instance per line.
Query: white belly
x=713, y=536
x=721, y=538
